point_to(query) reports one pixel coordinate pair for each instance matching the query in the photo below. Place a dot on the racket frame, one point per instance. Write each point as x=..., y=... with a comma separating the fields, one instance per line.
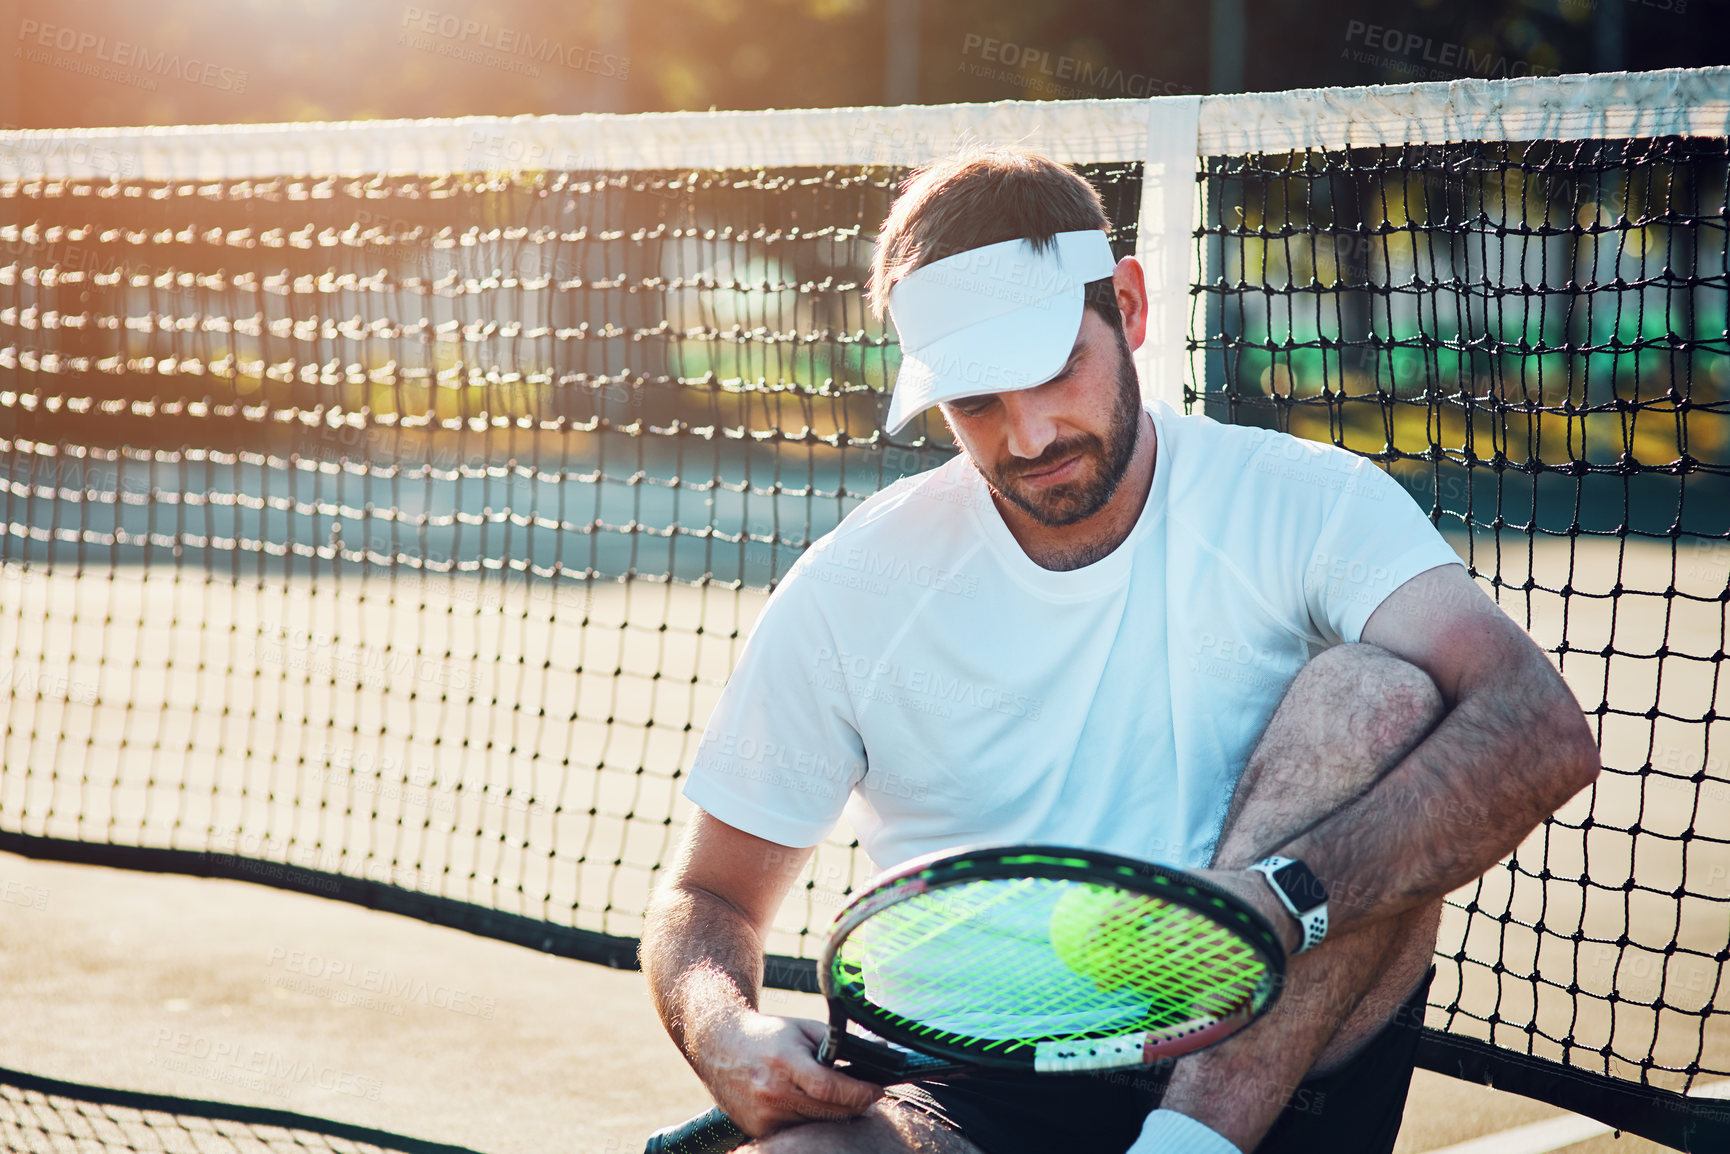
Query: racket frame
x=1098, y=1051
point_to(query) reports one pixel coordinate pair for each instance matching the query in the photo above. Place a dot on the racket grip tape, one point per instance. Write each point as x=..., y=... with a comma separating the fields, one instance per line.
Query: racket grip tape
x=709, y=1133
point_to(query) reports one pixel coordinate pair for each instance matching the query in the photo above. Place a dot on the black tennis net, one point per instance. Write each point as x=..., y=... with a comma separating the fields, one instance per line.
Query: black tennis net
x=386, y=505
x=1530, y=336
x=48, y=1116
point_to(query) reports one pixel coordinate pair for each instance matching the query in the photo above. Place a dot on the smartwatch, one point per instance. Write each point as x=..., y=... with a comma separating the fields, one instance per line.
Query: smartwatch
x=1301, y=893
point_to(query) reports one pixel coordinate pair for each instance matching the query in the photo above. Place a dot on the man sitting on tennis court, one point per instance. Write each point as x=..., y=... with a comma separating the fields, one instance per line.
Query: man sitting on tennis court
x=1109, y=625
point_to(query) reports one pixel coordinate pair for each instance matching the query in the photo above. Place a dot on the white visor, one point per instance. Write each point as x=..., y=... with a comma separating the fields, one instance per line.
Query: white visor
x=991, y=320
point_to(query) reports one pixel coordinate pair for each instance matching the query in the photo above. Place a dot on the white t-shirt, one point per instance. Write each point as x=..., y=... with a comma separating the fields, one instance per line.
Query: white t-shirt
x=917, y=670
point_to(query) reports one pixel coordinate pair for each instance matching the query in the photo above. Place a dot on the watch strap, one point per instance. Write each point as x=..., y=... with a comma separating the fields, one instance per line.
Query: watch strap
x=1314, y=920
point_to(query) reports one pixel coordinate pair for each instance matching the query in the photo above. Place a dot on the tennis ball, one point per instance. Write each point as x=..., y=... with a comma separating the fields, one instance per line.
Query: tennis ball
x=1093, y=929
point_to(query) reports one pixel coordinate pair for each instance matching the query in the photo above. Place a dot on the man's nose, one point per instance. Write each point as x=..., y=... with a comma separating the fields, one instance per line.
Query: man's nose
x=1031, y=424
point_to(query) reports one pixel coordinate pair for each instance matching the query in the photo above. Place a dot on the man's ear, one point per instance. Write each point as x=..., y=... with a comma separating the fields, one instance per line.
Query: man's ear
x=1130, y=285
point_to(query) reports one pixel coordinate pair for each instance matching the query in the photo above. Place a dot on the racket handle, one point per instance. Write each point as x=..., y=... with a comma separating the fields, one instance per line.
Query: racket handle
x=709, y=1133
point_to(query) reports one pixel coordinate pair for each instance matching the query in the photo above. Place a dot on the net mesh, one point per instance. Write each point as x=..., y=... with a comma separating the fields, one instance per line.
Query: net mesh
x=403, y=527
x=1531, y=337
x=44, y=1117
x=406, y=528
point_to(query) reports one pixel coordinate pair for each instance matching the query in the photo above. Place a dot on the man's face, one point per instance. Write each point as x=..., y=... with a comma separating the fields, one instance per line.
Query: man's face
x=1059, y=451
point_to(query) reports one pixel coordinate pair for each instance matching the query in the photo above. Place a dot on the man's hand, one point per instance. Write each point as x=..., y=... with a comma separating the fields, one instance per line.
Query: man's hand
x=763, y=1071
x=703, y=955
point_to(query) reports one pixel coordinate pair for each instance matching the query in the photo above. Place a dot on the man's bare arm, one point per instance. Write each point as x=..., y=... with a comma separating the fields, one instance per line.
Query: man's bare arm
x=1512, y=748
x=702, y=951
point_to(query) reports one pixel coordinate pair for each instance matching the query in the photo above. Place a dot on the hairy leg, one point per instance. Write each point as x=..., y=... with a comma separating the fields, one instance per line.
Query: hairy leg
x=1348, y=717
x=888, y=1127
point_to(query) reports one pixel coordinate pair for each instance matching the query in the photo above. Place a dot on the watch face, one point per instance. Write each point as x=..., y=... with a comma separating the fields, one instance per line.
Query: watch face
x=1300, y=885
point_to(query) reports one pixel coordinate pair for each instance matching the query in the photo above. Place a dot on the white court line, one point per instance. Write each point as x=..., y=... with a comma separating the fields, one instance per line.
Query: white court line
x=1555, y=1133
x=1536, y=1138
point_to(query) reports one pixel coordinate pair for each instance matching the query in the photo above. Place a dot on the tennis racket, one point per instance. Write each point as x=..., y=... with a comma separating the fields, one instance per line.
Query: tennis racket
x=1039, y=959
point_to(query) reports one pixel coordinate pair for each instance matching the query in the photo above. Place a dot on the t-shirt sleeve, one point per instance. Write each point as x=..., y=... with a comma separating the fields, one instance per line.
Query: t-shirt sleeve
x=1373, y=539
x=781, y=752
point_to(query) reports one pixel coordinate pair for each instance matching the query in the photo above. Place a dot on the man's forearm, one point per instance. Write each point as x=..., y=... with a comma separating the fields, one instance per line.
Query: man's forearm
x=702, y=952
x=704, y=963
x=1509, y=753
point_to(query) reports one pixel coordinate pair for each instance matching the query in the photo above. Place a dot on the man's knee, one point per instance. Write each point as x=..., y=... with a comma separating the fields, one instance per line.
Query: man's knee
x=1348, y=717
x=886, y=1128
x=805, y=1139
x=1382, y=704
x=809, y=1138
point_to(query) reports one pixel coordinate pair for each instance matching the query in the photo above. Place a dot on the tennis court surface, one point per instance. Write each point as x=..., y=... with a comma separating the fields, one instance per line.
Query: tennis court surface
x=381, y=524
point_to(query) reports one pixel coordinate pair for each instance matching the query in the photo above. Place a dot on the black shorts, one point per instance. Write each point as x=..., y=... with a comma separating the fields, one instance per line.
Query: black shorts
x=1356, y=1109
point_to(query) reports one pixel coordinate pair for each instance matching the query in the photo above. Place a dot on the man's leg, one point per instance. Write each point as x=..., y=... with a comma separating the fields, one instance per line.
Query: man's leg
x=1347, y=718
x=888, y=1127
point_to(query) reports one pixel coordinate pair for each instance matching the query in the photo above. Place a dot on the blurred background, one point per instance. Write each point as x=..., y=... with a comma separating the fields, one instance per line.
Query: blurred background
x=80, y=63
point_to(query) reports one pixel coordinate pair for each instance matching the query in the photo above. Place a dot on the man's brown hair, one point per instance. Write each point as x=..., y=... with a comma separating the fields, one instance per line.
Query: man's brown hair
x=976, y=197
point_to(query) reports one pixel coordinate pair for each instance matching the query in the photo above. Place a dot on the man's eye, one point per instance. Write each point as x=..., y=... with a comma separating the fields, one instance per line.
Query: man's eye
x=970, y=409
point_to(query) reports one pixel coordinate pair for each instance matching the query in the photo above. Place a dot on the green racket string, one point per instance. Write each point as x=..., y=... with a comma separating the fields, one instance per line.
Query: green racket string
x=978, y=960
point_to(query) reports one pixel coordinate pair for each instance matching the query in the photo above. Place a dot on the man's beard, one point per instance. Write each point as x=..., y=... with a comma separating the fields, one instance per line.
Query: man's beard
x=1063, y=504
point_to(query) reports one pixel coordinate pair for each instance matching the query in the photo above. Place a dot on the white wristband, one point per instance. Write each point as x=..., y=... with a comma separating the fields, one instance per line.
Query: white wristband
x=1168, y=1132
